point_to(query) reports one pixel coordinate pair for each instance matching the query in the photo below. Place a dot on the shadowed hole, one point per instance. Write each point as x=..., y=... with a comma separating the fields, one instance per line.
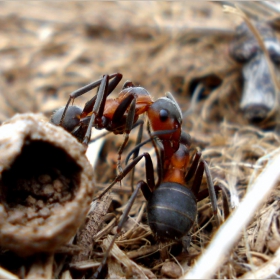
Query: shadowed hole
x=40, y=181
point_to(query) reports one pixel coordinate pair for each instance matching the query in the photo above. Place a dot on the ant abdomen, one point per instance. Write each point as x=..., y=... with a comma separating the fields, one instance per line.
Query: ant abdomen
x=71, y=120
x=171, y=211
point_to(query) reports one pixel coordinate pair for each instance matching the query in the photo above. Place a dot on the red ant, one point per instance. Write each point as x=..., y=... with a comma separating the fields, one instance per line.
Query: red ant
x=180, y=182
x=168, y=220
x=119, y=115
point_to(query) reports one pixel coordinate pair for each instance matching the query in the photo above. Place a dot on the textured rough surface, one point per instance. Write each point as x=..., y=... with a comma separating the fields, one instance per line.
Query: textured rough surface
x=49, y=221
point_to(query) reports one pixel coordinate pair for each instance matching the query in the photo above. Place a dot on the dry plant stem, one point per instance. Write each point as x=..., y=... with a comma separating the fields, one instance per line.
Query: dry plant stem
x=266, y=270
x=139, y=217
x=66, y=275
x=256, y=33
x=83, y=265
x=4, y=274
x=89, y=230
x=215, y=255
x=40, y=212
x=122, y=258
x=143, y=251
x=106, y=230
x=42, y=268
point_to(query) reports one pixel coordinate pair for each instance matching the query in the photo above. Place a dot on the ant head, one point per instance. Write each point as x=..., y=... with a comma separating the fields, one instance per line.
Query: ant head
x=71, y=119
x=165, y=114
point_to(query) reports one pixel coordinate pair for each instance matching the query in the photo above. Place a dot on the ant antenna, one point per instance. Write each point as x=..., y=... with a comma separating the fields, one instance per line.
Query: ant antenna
x=153, y=135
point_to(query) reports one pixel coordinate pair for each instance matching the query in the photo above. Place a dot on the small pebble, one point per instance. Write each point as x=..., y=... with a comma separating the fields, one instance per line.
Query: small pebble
x=257, y=261
x=30, y=200
x=31, y=214
x=57, y=196
x=48, y=189
x=16, y=217
x=171, y=270
x=66, y=197
x=40, y=204
x=45, y=179
x=45, y=212
x=40, y=221
x=273, y=245
x=44, y=195
x=57, y=184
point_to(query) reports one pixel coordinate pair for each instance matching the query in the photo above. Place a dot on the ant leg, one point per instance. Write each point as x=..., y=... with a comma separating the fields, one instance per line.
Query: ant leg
x=99, y=272
x=193, y=167
x=99, y=136
x=111, y=86
x=159, y=154
x=203, y=166
x=149, y=173
x=136, y=151
x=225, y=196
x=82, y=91
x=212, y=193
x=128, y=127
x=197, y=178
x=97, y=108
x=140, y=122
x=128, y=102
x=128, y=84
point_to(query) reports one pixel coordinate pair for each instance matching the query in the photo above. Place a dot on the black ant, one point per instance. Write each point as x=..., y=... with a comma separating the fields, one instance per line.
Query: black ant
x=172, y=201
x=119, y=115
x=168, y=220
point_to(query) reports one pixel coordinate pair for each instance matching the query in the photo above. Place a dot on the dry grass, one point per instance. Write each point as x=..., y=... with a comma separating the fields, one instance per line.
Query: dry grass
x=48, y=50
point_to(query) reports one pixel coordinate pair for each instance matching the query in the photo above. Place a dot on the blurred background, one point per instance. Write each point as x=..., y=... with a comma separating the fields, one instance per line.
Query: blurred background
x=49, y=49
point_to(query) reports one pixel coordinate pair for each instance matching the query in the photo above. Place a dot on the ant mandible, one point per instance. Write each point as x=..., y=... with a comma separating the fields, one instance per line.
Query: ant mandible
x=180, y=182
x=119, y=115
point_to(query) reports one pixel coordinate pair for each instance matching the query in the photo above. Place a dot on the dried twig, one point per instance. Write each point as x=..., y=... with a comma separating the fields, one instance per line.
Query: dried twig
x=215, y=255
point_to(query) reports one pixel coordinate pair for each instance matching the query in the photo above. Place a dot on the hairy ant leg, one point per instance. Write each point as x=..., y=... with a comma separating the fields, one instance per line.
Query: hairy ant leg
x=126, y=170
x=197, y=169
x=200, y=167
x=146, y=188
x=73, y=118
x=98, y=107
x=225, y=197
x=117, y=77
x=169, y=220
x=128, y=104
x=131, y=102
x=124, y=173
x=111, y=86
x=125, y=109
x=137, y=150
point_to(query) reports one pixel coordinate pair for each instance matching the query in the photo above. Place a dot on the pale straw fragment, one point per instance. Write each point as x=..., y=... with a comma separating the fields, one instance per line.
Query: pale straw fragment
x=222, y=243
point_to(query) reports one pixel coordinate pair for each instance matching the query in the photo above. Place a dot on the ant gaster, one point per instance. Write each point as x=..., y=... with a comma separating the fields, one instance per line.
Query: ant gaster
x=172, y=201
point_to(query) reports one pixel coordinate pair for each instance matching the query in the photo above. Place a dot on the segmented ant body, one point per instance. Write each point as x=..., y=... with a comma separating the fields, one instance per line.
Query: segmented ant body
x=119, y=115
x=172, y=201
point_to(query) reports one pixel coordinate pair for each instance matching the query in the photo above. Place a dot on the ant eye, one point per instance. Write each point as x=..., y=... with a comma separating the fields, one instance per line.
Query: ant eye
x=163, y=114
